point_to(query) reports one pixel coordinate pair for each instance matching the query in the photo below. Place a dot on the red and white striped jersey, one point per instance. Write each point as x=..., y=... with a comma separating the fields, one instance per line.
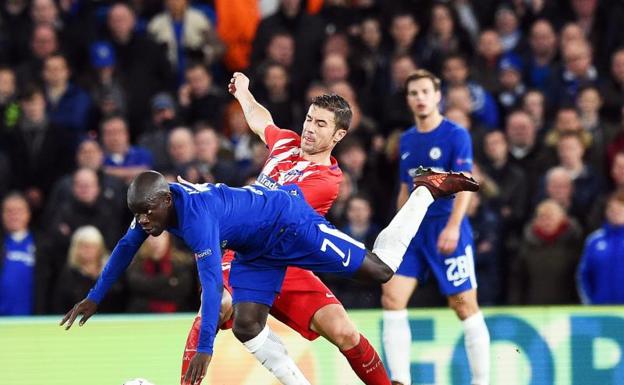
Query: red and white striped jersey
x=318, y=183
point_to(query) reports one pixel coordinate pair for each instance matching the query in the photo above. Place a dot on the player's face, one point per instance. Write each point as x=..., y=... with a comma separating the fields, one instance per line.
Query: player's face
x=319, y=131
x=153, y=214
x=422, y=97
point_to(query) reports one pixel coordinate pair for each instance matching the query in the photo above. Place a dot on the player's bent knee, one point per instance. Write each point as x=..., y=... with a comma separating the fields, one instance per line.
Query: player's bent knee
x=245, y=328
x=343, y=334
x=392, y=302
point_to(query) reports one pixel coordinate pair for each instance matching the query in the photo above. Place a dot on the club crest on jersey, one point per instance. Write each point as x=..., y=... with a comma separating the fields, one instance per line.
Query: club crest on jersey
x=435, y=153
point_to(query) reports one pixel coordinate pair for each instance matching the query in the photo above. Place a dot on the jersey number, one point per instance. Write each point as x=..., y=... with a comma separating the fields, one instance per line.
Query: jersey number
x=346, y=257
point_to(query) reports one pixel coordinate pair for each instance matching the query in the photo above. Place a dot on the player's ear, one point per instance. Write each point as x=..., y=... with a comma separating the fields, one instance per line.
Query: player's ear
x=339, y=134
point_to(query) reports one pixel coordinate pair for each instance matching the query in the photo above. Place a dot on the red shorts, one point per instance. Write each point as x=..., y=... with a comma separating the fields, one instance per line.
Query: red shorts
x=302, y=295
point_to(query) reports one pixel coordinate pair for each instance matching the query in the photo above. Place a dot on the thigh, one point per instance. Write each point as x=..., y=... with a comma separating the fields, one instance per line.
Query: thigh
x=302, y=295
x=322, y=248
x=255, y=283
x=414, y=264
x=455, y=273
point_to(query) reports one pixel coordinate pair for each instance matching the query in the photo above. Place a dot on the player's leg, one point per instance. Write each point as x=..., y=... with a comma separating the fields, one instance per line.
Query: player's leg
x=395, y=294
x=253, y=293
x=476, y=334
x=392, y=242
x=307, y=306
x=456, y=278
x=333, y=323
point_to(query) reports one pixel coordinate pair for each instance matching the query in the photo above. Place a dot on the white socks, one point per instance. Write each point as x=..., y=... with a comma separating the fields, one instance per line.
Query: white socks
x=397, y=342
x=392, y=242
x=272, y=354
x=477, y=342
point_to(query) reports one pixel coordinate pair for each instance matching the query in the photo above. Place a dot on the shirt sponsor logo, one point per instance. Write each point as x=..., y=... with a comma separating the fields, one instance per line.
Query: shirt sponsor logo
x=27, y=259
x=405, y=155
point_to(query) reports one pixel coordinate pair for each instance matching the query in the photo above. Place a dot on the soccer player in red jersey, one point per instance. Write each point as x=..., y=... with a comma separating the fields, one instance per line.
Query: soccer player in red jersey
x=304, y=303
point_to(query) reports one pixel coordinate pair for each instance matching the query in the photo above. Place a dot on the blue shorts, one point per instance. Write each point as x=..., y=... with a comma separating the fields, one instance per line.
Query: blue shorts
x=317, y=246
x=455, y=273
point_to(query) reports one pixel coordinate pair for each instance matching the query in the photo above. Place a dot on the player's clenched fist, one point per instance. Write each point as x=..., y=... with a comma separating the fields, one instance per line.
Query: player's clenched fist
x=238, y=84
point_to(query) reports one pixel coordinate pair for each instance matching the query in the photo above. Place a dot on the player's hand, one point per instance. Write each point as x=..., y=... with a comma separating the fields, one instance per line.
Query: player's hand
x=238, y=84
x=86, y=307
x=197, y=368
x=447, y=241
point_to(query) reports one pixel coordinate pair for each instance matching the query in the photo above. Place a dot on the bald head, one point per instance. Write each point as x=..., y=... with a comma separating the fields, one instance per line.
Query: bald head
x=147, y=186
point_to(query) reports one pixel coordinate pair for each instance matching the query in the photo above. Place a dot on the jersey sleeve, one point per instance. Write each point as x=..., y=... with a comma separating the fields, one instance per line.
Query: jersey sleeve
x=272, y=134
x=404, y=176
x=462, y=151
x=122, y=255
x=202, y=236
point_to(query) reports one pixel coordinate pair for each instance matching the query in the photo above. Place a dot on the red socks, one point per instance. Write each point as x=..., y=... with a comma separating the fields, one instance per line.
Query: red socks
x=366, y=363
x=191, y=347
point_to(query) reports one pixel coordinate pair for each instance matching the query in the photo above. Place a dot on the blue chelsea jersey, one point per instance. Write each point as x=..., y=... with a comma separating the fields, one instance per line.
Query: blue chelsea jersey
x=249, y=220
x=446, y=148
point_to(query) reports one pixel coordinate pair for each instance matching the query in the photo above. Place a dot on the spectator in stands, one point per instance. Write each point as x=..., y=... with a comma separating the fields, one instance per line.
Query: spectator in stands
x=89, y=155
x=543, y=271
x=587, y=181
x=362, y=127
x=154, y=137
x=359, y=224
x=512, y=200
x=337, y=213
x=14, y=30
x=214, y=164
x=485, y=224
x=612, y=89
x=570, y=32
x=120, y=158
x=181, y=150
x=512, y=88
x=239, y=134
x=307, y=32
x=595, y=216
x=455, y=72
x=142, y=64
x=508, y=27
x=578, y=71
x=602, y=263
x=445, y=37
x=404, y=31
x=68, y=105
x=43, y=43
x=86, y=258
x=200, y=99
x=39, y=151
x=9, y=109
x=370, y=56
x=524, y=148
x=45, y=12
x=275, y=95
x=17, y=258
x=541, y=61
x=393, y=112
x=485, y=63
x=534, y=103
x=107, y=92
x=187, y=34
x=161, y=278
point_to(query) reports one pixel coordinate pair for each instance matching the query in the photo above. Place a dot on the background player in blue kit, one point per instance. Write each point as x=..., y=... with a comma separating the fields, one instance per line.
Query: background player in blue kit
x=269, y=230
x=443, y=244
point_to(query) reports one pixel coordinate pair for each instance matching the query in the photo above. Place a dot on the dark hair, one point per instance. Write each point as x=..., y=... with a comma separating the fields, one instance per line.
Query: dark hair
x=28, y=92
x=113, y=116
x=339, y=106
x=423, y=74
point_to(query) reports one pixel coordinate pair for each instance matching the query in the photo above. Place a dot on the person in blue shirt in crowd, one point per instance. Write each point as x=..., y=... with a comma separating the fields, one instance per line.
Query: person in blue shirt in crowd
x=602, y=263
x=17, y=258
x=269, y=230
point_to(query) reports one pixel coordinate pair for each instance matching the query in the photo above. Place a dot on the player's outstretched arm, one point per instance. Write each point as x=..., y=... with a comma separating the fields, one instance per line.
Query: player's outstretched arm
x=256, y=115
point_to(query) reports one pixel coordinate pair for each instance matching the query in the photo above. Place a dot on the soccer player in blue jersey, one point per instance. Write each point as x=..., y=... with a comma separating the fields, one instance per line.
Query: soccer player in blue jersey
x=269, y=230
x=443, y=244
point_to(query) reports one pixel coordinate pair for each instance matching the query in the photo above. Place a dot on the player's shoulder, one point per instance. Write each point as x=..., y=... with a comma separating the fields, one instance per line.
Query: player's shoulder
x=408, y=134
x=280, y=137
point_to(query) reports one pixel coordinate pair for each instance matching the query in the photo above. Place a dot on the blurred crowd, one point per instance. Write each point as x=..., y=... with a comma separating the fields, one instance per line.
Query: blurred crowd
x=93, y=92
